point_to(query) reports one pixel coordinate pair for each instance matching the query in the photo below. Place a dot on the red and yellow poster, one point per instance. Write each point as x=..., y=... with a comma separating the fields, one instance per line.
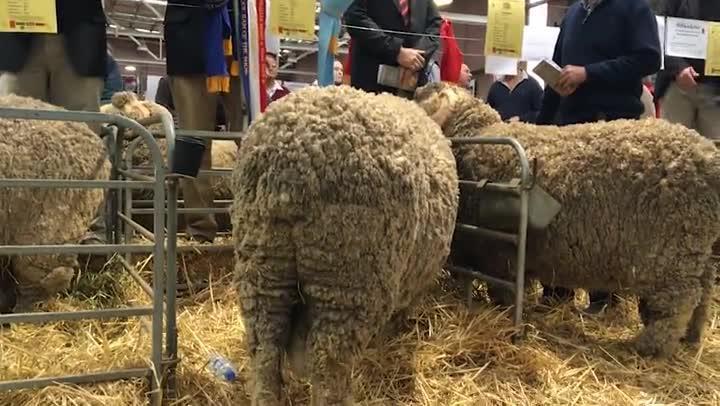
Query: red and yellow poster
x=36, y=16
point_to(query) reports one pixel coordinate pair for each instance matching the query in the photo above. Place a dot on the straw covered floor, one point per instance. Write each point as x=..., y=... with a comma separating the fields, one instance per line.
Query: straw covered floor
x=447, y=354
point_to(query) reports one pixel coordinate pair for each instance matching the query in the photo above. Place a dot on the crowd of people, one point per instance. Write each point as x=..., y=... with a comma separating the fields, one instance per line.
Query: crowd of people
x=608, y=49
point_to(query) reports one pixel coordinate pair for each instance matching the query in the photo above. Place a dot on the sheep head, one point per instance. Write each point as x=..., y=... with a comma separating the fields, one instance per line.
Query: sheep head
x=127, y=104
x=455, y=109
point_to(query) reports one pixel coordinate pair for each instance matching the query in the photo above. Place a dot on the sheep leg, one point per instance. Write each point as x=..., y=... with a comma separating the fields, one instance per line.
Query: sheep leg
x=667, y=312
x=699, y=318
x=268, y=292
x=331, y=358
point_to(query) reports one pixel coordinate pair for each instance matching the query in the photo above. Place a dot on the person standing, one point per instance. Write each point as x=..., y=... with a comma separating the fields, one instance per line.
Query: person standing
x=516, y=97
x=688, y=96
x=398, y=33
x=66, y=70
x=338, y=72
x=605, y=49
x=112, y=82
x=196, y=58
x=465, y=76
x=275, y=89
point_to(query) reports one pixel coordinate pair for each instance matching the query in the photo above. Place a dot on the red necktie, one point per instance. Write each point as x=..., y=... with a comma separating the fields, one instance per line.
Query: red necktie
x=405, y=11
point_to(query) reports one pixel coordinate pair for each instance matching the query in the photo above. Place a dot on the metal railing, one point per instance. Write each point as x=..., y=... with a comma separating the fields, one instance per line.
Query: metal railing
x=131, y=204
x=117, y=185
x=129, y=210
x=521, y=188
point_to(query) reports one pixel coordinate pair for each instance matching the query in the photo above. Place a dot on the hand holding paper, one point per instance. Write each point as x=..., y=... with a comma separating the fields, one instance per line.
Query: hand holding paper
x=686, y=78
x=411, y=59
x=571, y=78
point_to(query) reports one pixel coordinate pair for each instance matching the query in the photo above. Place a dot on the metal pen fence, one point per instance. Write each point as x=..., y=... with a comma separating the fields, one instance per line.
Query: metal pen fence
x=163, y=281
x=121, y=206
x=520, y=187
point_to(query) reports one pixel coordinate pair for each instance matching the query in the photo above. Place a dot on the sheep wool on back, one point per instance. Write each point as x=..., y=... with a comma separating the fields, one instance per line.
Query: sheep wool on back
x=47, y=150
x=640, y=209
x=344, y=208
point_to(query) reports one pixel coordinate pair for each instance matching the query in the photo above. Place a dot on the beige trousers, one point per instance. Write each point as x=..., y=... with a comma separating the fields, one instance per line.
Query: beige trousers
x=196, y=110
x=695, y=109
x=49, y=76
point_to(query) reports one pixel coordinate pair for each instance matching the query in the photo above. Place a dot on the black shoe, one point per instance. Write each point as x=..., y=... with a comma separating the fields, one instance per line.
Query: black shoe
x=200, y=239
x=555, y=295
x=595, y=308
x=600, y=301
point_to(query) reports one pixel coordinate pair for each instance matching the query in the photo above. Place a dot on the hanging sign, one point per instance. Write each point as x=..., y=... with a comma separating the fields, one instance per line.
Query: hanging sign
x=712, y=61
x=504, y=29
x=34, y=16
x=293, y=19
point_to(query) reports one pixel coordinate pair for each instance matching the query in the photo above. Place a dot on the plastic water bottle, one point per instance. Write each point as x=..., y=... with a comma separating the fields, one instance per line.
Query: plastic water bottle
x=221, y=368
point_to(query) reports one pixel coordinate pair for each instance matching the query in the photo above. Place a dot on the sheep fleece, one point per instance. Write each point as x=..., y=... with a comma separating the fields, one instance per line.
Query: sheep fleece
x=47, y=150
x=344, y=202
x=640, y=212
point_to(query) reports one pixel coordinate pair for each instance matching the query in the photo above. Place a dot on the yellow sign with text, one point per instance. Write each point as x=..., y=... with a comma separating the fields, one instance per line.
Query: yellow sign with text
x=293, y=19
x=712, y=60
x=504, y=29
x=35, y=16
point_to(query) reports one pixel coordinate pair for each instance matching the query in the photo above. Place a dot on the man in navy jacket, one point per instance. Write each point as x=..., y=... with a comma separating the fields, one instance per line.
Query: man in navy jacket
x=606, y=48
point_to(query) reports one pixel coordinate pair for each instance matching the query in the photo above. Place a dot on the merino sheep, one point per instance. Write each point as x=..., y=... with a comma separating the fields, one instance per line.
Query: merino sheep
x=343, y=216
x=640, y=212
x=224, y=153
x=46, y=150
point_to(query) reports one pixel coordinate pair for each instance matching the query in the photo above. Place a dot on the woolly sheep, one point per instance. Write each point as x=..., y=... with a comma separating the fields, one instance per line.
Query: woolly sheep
x=46, y=150
x=224, y=153
x=343, y=216
x=640, y=212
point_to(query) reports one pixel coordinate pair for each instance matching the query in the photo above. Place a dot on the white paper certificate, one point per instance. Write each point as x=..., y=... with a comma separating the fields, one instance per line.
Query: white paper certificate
x=539, y=42
x=686, y=38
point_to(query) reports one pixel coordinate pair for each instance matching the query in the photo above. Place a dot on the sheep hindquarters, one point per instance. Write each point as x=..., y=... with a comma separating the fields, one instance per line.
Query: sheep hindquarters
x=267, y=287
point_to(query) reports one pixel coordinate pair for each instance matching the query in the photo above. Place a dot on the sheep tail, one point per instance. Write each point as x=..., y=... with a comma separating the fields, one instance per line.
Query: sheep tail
x=290, y=191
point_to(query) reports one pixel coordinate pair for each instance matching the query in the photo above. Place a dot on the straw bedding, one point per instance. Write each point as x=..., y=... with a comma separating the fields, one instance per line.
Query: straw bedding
x=445, y=355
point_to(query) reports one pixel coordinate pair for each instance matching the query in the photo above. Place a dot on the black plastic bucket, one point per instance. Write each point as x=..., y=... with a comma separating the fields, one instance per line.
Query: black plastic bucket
x=188, y=155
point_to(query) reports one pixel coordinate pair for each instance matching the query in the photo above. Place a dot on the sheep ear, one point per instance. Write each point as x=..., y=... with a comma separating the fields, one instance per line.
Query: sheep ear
x=446, y=105
x=441, y=116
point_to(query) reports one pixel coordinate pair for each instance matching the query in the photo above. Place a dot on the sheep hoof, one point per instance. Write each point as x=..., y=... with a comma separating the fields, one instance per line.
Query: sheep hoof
x=692, y=339
x=650, y=346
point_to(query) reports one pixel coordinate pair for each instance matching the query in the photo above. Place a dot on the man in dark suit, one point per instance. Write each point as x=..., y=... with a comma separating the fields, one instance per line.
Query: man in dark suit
x=196, y=107
x=66, y=69
x=395, y=33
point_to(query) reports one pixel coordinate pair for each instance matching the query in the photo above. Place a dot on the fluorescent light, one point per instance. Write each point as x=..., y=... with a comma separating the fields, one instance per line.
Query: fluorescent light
x=443, y=3
x=130, y=68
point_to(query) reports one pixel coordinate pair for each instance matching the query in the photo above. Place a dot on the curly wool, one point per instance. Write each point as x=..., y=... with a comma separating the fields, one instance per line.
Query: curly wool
x=345, y=204
x=47, y=150
x=640, y=211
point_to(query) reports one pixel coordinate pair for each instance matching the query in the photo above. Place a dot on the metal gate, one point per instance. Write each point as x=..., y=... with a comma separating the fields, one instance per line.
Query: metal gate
x=163, y=281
